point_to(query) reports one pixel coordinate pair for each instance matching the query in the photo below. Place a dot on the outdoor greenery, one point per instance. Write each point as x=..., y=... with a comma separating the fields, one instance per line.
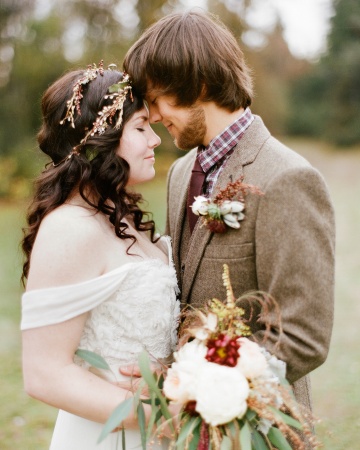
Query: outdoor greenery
x=40, y=40
x=27, y=424
x=327, y=98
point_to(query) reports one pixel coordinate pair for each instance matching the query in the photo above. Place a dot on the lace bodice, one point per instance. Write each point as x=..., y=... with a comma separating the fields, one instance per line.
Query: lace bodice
x=141, y=314
x=131, y=308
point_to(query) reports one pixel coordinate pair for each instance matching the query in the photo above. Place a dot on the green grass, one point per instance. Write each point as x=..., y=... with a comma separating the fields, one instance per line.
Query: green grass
x=26, y=424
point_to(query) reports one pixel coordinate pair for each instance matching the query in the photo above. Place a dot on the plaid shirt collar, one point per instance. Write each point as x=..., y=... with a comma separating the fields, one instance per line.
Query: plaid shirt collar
x=224, y=142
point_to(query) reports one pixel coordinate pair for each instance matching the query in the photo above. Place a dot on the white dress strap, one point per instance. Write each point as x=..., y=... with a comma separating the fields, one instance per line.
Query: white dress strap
x=49, y=306
x=41, y=307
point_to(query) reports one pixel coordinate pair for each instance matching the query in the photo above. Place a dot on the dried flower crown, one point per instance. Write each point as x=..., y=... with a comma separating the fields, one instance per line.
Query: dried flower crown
x=117, y=93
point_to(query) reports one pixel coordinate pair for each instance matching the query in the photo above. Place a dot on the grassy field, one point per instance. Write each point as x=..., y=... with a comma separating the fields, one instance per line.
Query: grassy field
x=26, y=424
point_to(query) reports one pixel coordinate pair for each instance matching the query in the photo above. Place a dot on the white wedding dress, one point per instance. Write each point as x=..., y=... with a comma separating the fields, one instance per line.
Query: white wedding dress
x=132, y=308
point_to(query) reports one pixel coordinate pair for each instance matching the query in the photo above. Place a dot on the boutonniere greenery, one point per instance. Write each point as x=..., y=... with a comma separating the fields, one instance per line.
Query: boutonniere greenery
x=227, y=208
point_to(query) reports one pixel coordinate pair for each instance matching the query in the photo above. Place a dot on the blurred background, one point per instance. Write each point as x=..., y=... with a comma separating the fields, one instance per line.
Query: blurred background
x=305, y=56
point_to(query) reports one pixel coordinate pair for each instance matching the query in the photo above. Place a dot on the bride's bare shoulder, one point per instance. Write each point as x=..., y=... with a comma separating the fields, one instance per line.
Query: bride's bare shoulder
x=68, y=247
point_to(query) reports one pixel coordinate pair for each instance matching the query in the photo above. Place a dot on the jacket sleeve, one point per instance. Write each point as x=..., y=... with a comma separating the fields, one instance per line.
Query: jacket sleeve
x=295, y=246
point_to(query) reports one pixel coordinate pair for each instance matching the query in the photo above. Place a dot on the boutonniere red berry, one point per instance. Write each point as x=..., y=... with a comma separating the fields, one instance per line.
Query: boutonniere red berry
x=227, y=208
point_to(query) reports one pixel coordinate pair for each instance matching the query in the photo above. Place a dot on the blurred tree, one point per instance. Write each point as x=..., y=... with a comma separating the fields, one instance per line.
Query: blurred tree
x=274, y=71
x=41, y=39
x=328, y=98
x=13, y=14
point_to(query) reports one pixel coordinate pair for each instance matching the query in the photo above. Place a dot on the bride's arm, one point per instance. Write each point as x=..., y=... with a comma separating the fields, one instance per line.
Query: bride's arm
x=68, y=250
x=50, y=375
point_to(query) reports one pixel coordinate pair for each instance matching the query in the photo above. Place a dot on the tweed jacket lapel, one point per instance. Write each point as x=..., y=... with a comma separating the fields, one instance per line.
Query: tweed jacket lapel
x=244, y=153
x=179, y=210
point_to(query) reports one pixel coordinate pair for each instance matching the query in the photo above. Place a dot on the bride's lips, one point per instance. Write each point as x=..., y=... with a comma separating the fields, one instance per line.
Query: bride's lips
x=151, y=157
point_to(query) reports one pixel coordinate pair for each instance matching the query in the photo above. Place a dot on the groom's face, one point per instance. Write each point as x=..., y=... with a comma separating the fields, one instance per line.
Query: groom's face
x=187, y=125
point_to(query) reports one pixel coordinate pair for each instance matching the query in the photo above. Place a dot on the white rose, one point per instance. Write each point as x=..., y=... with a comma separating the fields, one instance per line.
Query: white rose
x=221, y=393
x=252, y=362
x=180, y=382
x=200, y=206
x=193, y=351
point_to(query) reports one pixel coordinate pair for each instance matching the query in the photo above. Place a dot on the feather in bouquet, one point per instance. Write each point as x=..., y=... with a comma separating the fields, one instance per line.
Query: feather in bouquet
x=232, y=392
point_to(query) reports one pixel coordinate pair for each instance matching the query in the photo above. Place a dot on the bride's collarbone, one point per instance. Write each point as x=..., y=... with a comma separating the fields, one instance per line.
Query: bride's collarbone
x=123, y=251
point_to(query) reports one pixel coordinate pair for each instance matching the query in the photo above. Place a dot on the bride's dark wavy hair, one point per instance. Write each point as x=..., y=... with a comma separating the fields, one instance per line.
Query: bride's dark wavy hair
x=97, y=172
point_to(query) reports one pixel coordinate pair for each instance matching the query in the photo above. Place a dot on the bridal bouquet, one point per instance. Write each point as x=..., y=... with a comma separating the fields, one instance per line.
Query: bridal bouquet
x=231, y=392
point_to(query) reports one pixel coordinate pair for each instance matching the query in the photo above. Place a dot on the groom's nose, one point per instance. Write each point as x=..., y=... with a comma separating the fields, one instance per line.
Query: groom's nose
x=154, y=114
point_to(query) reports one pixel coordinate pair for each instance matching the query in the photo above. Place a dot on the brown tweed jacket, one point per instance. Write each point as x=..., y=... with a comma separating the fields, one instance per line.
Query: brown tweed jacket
x=285, y=247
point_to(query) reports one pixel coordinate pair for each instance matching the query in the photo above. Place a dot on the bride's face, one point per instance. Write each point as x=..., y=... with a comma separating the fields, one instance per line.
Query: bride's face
x=137, y=146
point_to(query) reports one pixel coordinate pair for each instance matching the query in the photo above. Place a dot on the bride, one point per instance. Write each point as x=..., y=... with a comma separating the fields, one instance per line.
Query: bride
x=97, y=278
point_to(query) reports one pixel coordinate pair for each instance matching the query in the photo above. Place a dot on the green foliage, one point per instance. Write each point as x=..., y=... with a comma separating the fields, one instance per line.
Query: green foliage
x=74, y=33
x=327, y=100
x=93, y=359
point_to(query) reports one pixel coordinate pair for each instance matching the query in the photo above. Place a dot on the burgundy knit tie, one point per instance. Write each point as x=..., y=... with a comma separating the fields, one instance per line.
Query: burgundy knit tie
x=195, y=189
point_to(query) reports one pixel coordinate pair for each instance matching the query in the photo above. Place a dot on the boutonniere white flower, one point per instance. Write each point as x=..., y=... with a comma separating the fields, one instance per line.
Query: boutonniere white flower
x=226, y=209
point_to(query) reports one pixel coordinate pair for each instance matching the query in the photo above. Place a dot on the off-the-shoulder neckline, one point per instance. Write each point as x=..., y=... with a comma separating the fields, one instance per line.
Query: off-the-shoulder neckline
x=119, y=269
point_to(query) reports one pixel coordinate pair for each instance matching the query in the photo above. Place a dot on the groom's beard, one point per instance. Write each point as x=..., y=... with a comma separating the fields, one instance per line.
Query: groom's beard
x=194, y=130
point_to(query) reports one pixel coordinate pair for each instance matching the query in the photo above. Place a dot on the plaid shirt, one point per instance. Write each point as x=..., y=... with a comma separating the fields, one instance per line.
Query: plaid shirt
x=214, y=157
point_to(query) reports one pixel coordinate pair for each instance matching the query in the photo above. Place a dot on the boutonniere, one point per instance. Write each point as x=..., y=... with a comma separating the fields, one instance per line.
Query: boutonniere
x=227, y=208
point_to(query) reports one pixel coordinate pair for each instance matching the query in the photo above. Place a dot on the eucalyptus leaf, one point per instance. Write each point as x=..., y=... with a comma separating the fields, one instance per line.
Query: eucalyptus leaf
x=93, y=359
x=187, y=429
x=148, y=401
x=245, y=437
x=161, y=381
x=258, y=442
x=288, y=419
x=137, y=394
x=278, y=439
x=226, y=443
x=142, y=424
x=158, y=416
x=153, y=415
x=233, y=430
x=117, y=416
x=144, y=366
x=193, y=444
x=250, y=415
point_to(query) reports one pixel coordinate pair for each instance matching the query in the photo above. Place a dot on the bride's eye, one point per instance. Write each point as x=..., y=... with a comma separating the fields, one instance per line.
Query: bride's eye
x=140, y=129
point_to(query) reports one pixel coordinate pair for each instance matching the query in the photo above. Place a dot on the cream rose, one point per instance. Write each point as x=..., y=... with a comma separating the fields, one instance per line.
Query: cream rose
x=221, y=393
x=252, y=362
x=180, y=382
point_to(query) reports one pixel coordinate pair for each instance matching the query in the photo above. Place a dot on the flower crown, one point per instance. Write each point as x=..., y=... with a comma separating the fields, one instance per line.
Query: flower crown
x=117, y=93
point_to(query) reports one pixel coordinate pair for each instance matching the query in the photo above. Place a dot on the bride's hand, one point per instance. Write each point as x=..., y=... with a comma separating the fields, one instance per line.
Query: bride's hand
x=134, y=374
x=132, y=385
x=130, y=371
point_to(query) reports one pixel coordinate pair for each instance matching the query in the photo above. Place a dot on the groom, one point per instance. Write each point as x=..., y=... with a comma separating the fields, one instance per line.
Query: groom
x=196, y=82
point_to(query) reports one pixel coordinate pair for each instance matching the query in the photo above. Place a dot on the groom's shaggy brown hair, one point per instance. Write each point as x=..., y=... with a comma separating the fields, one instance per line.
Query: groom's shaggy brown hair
x=191, y=56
